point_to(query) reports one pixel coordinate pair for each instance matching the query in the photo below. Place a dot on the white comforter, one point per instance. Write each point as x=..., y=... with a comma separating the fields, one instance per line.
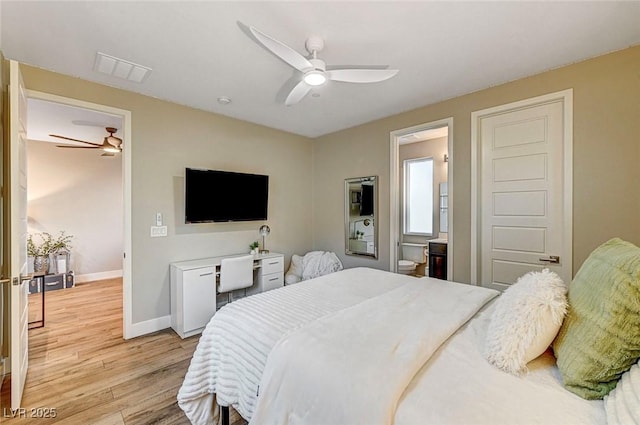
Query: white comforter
x=359, y=360
x=455, y=386
x=233, y=349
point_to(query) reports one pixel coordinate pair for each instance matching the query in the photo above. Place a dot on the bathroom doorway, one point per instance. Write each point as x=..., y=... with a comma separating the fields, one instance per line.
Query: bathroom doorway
x=420, y=189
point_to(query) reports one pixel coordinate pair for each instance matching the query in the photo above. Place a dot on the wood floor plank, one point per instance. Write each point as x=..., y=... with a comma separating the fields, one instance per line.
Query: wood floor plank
x=161, y=408
x=113, y=419
x=167, y=377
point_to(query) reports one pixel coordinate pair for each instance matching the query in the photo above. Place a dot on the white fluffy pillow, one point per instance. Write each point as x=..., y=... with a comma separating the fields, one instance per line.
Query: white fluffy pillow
x=294, y=274
x=623, y=403
x=526, y=319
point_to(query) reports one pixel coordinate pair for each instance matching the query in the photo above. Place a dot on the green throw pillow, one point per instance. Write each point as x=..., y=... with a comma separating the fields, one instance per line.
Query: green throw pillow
x=600, y=337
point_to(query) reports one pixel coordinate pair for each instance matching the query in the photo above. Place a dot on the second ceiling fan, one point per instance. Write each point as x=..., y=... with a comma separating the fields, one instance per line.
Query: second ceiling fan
x=110, y=145
x=314, y=71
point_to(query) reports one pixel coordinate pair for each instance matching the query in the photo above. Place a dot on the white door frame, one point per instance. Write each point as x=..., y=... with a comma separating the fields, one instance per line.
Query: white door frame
x=394, y=189
x=566, y=96
x=127, y=313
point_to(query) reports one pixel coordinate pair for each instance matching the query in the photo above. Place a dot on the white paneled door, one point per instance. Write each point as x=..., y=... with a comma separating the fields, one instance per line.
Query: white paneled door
x=17, y=163
x=524, y=191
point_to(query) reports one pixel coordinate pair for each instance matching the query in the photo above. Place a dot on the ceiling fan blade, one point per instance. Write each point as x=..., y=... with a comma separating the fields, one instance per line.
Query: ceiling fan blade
x=281, y=50
x=297, y=93
x=78, y=147
x=74, y=140
x=361, y=75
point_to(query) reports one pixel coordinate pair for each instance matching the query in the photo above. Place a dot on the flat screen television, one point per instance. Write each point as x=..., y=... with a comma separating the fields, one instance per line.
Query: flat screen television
x=223, y=196
x=366, y=206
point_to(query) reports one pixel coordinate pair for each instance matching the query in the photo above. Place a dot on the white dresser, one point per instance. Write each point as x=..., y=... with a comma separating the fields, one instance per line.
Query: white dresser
x=270, y=275
x=193, y=288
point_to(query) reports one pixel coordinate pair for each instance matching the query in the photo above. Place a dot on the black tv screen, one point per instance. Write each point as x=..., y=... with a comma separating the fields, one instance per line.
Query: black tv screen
x=221, y=196
x=366, y=207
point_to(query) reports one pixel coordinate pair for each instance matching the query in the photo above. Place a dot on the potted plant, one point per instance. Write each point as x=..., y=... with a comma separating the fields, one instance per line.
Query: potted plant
x=42, y=249
x=254, y=247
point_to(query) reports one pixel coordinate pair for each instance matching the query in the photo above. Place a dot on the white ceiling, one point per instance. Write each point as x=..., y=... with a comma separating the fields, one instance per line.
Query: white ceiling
x=198, y=51
x=46, y=118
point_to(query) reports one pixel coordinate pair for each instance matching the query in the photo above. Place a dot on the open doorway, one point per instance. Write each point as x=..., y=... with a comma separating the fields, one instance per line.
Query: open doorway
x=421, y=224
x=57, y=180
x=75, y=217
x=94, y=123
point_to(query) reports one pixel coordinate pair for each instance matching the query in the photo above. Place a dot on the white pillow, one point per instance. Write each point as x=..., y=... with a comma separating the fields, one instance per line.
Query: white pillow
x=526, y=319
x=622, y=404
x=294, y=274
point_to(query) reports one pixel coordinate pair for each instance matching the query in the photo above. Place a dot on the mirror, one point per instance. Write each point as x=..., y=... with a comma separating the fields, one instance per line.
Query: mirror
x=361, y=206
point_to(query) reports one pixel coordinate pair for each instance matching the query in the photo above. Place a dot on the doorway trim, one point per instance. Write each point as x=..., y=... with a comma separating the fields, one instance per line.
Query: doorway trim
x=127, y=313
x=394, y=189
x=566, y=97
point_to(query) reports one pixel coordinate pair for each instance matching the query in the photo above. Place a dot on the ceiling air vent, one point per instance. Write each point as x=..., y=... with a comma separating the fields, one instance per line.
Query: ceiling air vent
x=120, y=68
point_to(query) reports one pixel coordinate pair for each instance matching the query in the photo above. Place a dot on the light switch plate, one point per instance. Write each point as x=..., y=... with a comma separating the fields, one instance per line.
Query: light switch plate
x=158, y=231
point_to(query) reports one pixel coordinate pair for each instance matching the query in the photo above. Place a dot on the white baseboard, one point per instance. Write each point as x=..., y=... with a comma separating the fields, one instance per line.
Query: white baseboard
x=90, y=277
x=149, y=326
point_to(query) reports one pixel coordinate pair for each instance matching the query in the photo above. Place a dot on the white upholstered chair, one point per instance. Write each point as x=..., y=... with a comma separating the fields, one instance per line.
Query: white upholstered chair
x=235, y=273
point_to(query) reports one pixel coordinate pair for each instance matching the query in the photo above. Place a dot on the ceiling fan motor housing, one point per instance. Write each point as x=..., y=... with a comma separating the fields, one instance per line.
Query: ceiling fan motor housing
x=314, y=44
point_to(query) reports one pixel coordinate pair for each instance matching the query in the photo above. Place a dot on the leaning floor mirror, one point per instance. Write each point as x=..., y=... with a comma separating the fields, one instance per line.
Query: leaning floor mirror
x=360, y=209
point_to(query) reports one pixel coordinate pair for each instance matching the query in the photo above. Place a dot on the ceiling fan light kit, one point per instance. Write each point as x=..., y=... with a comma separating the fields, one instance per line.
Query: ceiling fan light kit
x=315, y=78
x=313, y=70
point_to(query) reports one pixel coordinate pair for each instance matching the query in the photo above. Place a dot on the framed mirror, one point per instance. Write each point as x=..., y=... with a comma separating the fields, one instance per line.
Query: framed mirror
x=360, y=216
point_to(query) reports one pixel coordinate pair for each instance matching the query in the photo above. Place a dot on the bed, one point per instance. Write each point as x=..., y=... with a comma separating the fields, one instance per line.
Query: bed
x=251, y=344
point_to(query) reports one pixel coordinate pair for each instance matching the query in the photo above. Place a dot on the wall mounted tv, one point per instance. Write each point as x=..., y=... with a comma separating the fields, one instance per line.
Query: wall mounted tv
x=222, y=196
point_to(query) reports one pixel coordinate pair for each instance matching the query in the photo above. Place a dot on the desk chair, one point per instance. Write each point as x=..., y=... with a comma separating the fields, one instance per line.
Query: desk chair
x=235, y=273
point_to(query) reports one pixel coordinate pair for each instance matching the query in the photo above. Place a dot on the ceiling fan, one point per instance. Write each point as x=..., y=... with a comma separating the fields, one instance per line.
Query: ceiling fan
x=110, y=145
x=314, y=70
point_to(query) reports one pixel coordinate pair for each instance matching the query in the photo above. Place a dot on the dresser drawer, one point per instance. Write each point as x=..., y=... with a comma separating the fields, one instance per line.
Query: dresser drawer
x=271, y=281
x=272, y=265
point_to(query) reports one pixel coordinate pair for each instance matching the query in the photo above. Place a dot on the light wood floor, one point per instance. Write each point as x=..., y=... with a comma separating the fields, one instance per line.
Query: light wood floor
x=80, y=365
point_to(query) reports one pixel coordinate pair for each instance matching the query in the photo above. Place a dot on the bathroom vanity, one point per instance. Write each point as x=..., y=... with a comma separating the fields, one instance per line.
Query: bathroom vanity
x=438, y=258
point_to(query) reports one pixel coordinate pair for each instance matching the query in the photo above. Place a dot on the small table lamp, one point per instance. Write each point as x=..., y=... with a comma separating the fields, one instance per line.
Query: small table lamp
x=264, y=231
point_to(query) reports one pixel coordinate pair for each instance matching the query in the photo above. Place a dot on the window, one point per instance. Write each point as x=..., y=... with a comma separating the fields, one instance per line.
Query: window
x=418, y=196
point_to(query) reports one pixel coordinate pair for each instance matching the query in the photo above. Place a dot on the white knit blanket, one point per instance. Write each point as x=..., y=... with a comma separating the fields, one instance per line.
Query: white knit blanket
x=352, y=366
x=233, y=349
x=319, y=263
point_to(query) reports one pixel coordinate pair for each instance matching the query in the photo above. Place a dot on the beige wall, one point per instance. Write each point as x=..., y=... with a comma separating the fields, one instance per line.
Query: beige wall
x=166, y=138
x=80, y=192
x=606, y=153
